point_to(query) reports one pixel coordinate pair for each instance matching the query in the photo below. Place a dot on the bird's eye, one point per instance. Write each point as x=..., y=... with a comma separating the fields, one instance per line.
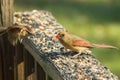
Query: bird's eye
x=62, y=35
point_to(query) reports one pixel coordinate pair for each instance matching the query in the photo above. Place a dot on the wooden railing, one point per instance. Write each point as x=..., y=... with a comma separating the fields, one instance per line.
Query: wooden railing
x=17, y=63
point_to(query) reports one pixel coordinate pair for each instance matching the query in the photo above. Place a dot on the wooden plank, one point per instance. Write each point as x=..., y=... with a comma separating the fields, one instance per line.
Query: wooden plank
x=15, y=68
x=40, y=73
x=21, y=71
x=8, y=59
x=19, y=63
x=1, y=67
x=36, y=78
x=29, y=66
x=2, y=51
x=48, y=77
x=47, y=66
x=1, y=59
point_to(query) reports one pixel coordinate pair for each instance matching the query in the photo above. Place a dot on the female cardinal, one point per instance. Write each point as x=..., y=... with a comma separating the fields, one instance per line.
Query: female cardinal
x=76, y=43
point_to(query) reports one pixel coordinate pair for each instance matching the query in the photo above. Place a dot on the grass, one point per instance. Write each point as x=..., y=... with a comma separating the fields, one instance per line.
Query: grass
x=97, y=22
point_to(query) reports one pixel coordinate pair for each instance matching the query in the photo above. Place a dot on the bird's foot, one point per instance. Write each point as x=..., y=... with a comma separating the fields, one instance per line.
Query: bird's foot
x=82, y=52
x=76, y=56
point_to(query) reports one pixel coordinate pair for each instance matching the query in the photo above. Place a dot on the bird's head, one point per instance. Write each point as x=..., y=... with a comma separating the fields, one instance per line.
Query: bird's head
x=60, y=35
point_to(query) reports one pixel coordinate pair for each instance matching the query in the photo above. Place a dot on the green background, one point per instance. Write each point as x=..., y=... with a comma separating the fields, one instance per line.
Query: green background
x=95, y=20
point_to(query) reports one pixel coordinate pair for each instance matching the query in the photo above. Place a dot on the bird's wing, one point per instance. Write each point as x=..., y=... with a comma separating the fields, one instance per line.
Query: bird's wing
x=81, y=43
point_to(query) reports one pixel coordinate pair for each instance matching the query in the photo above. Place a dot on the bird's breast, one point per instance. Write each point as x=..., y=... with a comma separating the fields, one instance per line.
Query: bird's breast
x=68, y=44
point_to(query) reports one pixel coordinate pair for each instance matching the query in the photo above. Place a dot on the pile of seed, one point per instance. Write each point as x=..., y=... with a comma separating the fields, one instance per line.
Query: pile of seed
x=82, y=67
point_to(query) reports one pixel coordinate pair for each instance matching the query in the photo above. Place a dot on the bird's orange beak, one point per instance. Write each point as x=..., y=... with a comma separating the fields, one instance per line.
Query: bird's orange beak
x=58, y=36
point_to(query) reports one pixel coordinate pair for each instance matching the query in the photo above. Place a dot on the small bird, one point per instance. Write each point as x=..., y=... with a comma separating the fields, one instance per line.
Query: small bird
x=18, y=33
x=78, y=44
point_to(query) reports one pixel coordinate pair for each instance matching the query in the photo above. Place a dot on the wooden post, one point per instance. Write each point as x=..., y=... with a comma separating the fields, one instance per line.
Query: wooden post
x=7, y=50
x=6, y=13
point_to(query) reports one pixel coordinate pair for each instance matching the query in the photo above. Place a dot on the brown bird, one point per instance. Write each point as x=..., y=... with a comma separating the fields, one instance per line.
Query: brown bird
x=78, y=44
x=18, y=33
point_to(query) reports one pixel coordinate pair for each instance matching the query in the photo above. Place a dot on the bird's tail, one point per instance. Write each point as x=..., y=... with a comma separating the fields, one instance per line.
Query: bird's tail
x=104, y=46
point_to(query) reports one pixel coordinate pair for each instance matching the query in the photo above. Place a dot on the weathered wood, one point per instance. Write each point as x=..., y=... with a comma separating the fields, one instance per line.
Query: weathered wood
x=1, y=61
x=40, y=74
x=48, y=77
x=35, y=63
x=18, y=63
x=2, y=30
x=1, y=68
x=7, y=50
x=45, y=64
x=6, y=13
x=8, y=56
x=29, y=66
x=15, y=68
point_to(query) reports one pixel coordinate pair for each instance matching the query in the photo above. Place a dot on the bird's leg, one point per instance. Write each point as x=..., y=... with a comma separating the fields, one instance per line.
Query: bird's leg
x=78, y=53
x=82, y=50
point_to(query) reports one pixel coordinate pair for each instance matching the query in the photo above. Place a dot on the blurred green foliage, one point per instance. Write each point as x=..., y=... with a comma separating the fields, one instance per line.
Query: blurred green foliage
x=97, y=21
